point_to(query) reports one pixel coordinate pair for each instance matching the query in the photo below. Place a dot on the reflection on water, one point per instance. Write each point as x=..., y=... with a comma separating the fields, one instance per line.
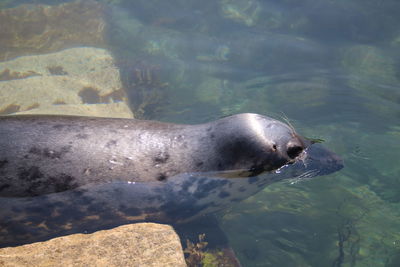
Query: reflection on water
x=331, y=67
x=179, y=199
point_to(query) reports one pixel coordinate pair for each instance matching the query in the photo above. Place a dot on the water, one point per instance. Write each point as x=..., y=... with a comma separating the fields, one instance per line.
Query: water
x=331, y=68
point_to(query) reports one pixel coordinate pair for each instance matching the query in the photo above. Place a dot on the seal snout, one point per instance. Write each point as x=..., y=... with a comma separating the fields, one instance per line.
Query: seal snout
x=294, y=148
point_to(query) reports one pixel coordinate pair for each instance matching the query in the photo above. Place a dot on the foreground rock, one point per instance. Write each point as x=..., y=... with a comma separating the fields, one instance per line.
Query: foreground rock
x=143, y=244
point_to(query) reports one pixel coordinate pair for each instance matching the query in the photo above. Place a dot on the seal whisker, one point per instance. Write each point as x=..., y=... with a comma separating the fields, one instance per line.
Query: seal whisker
x=309, y=174
x=286, y=119
x=358, y=156
x=304, y=176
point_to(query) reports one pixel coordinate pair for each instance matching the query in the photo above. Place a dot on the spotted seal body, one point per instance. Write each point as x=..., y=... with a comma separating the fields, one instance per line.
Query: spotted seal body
x=62, y=175
x=47, y=154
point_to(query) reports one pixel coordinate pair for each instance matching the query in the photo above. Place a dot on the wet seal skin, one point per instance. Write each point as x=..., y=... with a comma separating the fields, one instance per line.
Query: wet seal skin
x=66, y=174
x=48, y=154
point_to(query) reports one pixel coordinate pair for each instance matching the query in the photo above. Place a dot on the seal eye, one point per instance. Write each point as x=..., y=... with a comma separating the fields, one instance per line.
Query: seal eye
x=294, y=150
x=274, y=147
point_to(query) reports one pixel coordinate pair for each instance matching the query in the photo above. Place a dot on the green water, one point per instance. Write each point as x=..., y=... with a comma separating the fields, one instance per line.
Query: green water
x=330, y=67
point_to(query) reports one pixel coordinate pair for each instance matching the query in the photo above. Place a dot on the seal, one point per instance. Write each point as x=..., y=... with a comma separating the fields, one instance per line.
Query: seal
x=48, y=154
x=63, y=175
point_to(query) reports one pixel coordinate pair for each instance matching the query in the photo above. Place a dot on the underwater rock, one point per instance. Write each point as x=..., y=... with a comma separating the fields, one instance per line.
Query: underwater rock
x=371, y=21
x=181, y=15
x=311, y=93
x=369, y=61
x=76, y=76
x=252, y=53
x=372, y=69
x=210, y=90
x=197, y=254
x=282, y=93
x=34, y=29
x=143, y=244
x=395, y=43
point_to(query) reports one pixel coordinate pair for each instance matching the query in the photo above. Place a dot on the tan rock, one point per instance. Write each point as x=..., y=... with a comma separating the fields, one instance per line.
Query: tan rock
x=35, y=29
x=74, y=76
x=94, y=66
x=113, y=110
x=144, y=244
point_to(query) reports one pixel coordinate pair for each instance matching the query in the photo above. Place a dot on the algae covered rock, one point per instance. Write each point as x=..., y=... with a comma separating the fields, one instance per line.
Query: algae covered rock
x=144, y=244
x=279, y=96
x=210, y=90
x=369, y=62
x=33, y=29
x=372, y=70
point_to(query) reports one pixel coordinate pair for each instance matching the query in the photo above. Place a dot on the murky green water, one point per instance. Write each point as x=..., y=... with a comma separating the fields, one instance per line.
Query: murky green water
x=330, y=67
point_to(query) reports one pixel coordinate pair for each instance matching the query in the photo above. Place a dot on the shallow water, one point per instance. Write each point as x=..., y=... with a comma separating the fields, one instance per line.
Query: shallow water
x=330, y=68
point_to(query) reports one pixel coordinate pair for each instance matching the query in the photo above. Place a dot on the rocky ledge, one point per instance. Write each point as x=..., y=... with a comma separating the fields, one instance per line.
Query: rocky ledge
x=142, y=244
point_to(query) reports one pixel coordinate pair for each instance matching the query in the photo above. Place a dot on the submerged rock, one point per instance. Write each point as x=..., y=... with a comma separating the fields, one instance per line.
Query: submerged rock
x=33, y=29
x=210, y=90
x=60, y=81
x=370, y=62
x=144, y=244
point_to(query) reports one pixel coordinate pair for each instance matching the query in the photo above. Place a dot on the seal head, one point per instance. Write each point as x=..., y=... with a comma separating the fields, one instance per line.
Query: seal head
x=256, y=143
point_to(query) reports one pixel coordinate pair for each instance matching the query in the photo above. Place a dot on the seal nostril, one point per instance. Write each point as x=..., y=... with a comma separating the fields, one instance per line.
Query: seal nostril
x=294, y=151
